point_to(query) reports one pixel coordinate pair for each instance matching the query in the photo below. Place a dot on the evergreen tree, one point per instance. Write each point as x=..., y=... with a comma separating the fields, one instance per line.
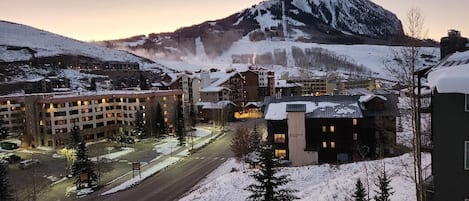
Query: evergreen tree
x=75, y=137
x=267, y=187
x=6, y=193
x=180, y=128
x=93, y=84
x=140, y=123
x=3, y=129
x=83, y=165
x=384, y=189
x=192, y=116
x=360, y=192
x=143, y=82
x=240, y=143
x=159, y=121
x=254, y=139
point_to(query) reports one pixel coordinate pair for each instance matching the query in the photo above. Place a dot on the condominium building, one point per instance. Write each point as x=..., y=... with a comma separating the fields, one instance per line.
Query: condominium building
x=49, y=118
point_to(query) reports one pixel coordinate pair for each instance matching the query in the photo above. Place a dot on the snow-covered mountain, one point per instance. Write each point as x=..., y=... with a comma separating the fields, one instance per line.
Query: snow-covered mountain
x=319, y=21
x=14, y=38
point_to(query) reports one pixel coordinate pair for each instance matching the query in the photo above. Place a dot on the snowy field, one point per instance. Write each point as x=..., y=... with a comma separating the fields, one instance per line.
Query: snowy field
x=314, y=183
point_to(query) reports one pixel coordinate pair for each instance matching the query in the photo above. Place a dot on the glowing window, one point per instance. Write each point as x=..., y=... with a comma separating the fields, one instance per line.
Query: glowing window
x=279, y=138
x=280, y=153
x=324, y=144
x=324, y=129
x=355, y=122
x=165, y=119
x=332, y=129
x=164, y=98
x=332, y=145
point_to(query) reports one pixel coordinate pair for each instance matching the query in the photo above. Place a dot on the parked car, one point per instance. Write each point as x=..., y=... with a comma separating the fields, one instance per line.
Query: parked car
x=28, y=163
x=12, y=158
x=8, y=145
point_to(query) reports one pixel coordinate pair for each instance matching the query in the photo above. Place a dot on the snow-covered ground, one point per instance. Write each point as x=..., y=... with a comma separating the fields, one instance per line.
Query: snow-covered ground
x=167, y=147
x=314, y=183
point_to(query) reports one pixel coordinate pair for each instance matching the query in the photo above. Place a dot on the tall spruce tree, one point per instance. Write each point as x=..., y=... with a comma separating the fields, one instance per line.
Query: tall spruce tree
x=140, y=123
x=254, y=139
x=267, y=187
x=6, y=192
x=83, y=165
x=75, y=137
x=384, y=189
x=159, y=121
x=180, y=128
x=360, y=192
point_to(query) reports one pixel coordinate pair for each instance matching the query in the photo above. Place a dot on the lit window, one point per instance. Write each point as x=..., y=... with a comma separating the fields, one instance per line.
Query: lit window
x=280, y=153
x=165, y=112
x=165, y=105
x=323, y=129
x=324, y=144
x=279, y=138
x=122, y=100
x=164, y=98
x=8, y=102
x=466, y=155
x=332, y=129
x=85, y=102
x=355, y=122
x=78, y=103
x=165, y=119
x=103, y=100
x=333, y=145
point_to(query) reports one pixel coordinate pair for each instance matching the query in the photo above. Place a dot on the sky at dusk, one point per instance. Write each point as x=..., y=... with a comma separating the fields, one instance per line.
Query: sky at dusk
x=111, y=19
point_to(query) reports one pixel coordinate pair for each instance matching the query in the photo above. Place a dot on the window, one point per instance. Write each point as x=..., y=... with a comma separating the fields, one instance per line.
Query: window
x=60, y=114
x=354, y=122
x=466, y=155
x=355, y=136
x=332, y=145
x=467, y=103
x=332, y=129
x=279, y=138
x=280, y=153
x=324, y=144
x=323, y=129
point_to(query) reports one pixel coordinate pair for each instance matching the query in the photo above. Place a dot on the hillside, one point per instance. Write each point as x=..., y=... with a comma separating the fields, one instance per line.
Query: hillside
x=318, y=21
x=46, y=44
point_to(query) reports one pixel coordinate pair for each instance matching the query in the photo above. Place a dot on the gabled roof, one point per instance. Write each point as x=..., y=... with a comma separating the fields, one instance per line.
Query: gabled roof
x=451, y=75
x=338, y=106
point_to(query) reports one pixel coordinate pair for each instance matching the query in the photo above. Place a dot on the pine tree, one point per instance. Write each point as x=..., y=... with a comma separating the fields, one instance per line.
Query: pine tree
x=82, y=165
x=143, y=82
x=75, y=137
x=360, y=192
x=159, y=121
x=267, y=187
x=180, y=128
x=140, y=123
x=3, y=129
x=6, y=193
x=254, y=139
x=240, y=143
x=384, y=189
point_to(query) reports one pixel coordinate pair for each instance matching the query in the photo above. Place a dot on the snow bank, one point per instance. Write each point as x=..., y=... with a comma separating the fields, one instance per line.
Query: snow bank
x=318, y=183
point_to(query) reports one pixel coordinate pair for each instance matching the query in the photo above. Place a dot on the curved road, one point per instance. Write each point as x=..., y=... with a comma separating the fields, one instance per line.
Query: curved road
x=178, y=179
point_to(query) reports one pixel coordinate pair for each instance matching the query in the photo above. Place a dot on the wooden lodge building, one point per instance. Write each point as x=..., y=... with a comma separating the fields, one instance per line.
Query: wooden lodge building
x=332, y=129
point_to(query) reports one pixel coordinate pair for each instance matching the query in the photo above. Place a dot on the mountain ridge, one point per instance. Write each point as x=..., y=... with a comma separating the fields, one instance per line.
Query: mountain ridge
x=318, y=21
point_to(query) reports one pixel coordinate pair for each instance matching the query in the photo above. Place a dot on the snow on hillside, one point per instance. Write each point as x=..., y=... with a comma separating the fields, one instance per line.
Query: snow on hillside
x=314, y=183
x=372, y=57
x=50, y=44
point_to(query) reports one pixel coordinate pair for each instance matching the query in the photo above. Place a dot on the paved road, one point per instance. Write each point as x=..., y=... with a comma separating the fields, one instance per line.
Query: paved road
x=180, y=178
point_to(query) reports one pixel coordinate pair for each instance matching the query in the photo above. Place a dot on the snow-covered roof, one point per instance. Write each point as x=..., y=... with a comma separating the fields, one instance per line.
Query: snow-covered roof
x=366, y=98
x=212, y=105
x=285, y=84
x=8, y=55
x=451, y=75
x=213, y=89
x=255, y=104
x=278, y=111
